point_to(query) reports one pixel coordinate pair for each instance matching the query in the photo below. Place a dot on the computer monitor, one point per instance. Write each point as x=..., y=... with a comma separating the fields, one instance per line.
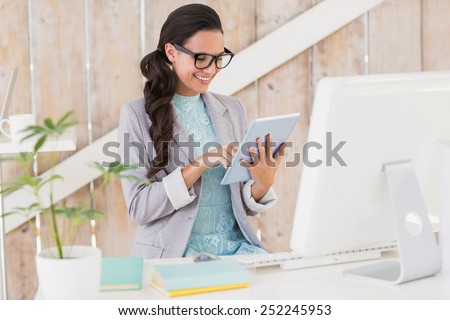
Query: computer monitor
x=375, y=120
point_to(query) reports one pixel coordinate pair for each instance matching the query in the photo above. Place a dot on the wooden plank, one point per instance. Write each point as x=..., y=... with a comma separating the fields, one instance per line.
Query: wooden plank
x=115, y=51
x=284, y=90
x=59, y=61
x=14, y=54
x=20, y=244
x=395, y=37
x=59, y=82
x=283, y=44
x=156, y=12
x=435, y=35
x=237, y=22
x=340, y=54
x=20, y=262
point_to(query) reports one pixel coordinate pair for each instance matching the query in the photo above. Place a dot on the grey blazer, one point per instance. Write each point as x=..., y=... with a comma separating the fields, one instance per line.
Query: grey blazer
x=165, y=210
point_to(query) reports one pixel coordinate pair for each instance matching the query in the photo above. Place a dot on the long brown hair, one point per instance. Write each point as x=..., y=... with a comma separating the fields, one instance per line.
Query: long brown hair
x=161, y=82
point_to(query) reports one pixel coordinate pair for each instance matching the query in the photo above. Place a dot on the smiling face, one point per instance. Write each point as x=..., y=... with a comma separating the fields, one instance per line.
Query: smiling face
x=192, y=81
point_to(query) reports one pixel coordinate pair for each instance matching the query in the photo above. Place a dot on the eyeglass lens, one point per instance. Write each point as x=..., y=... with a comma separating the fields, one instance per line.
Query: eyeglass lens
x=204, y=61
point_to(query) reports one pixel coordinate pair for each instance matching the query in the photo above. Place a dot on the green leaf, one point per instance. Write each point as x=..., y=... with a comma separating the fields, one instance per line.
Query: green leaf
x=64, y=118
x=29, y=181
x=49, y=123
x=67, y=125
x=69, y=212
x=29, y=136
x=24, y=159
x=25, y=211
x=92, y=214
x=52, y=178
x=8, y=159
x=11, y=213
x=77, y=215
x=32, y=207
x=39, y=143
x=10, y=189
x=97, y=165
x=117, y=168
x=25, y=156
x=135, y=178
x=35, y=128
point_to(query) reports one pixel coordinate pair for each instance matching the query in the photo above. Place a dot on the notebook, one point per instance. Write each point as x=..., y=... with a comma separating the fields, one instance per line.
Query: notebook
x=121, y=273
x=184, y=292
x=207, y=276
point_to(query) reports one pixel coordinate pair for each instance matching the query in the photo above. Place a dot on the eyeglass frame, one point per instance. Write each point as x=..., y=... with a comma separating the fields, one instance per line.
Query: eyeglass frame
x=196, y=55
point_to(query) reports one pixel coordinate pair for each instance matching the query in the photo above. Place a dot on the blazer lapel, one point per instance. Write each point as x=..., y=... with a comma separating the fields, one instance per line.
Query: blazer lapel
x=218, y=114
x=222, y=126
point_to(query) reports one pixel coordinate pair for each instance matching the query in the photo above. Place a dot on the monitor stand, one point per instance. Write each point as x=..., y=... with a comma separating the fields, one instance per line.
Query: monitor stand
x=419, y=255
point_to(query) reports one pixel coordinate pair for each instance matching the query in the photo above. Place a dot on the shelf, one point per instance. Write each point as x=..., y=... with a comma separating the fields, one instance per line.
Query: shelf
x=67, y=142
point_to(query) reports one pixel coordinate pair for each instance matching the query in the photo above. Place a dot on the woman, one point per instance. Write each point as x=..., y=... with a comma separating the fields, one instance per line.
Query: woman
x=185, y=210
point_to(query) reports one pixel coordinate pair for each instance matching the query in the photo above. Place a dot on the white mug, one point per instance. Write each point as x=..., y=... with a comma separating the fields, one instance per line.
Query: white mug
x=17, y=123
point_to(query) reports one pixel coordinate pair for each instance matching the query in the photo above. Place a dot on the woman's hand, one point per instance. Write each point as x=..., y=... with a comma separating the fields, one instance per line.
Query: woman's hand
x=213, y=158
x=264, y=166
x=222, y=155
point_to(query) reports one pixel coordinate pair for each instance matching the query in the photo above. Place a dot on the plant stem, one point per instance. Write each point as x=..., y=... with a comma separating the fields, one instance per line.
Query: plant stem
x=55, y=227
x=52, y=209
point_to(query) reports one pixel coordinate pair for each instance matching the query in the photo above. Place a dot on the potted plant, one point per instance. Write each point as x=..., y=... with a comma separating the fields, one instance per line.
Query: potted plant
x=65, y=271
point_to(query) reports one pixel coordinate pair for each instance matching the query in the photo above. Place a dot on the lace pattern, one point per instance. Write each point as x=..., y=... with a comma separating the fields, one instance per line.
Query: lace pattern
x=215, y=229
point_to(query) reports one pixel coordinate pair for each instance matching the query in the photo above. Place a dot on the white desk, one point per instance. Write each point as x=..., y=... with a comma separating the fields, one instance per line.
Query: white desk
x=312, y=283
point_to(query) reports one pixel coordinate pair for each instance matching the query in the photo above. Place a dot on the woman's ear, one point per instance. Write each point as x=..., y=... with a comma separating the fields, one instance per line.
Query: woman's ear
x=170, y=52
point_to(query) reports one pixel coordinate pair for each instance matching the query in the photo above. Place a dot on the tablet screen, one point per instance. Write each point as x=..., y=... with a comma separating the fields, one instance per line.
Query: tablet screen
x=280, y=127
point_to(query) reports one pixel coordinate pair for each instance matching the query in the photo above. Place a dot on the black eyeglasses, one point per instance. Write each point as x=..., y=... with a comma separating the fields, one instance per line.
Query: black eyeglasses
x=203, y=60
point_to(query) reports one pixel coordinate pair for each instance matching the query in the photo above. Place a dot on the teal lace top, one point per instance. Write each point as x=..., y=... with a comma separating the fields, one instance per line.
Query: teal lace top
x=215, y=229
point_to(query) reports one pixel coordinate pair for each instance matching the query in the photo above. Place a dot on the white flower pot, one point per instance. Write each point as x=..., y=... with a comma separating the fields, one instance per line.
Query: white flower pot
x=75, y=277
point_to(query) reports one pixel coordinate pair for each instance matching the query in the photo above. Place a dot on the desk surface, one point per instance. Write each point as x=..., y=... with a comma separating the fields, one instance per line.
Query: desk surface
x=323, y=283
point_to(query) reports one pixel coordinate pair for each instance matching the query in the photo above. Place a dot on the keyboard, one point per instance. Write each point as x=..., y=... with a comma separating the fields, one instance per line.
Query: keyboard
x=293, y=260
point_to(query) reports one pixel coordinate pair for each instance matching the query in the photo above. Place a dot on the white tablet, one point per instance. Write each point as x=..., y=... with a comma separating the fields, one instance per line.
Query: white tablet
x=279, y=127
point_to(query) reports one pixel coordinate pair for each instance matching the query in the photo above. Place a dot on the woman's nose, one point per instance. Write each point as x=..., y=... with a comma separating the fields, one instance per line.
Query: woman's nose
x=212, y=69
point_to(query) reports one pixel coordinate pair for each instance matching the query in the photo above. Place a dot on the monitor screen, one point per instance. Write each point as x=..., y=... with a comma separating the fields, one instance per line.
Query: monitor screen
x=359, y=124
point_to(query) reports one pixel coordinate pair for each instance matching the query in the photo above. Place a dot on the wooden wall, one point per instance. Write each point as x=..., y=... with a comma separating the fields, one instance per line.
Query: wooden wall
x=396, y=36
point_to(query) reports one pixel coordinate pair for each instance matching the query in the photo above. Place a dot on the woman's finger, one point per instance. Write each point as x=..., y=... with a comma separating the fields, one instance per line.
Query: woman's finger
x=281, y=152
x=246, y=164
x=254, y=156
x=235, y=150
x=269, y=147
x=261, y=150
x=282, y=149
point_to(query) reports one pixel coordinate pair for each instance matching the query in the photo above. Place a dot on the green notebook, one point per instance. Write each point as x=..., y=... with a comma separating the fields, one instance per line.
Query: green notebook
x=221, y=272
x=121, y=273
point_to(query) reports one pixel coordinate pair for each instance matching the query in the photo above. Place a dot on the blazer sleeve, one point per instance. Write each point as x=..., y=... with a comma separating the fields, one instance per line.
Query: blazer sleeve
x=147, y=202
x=270, y=198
